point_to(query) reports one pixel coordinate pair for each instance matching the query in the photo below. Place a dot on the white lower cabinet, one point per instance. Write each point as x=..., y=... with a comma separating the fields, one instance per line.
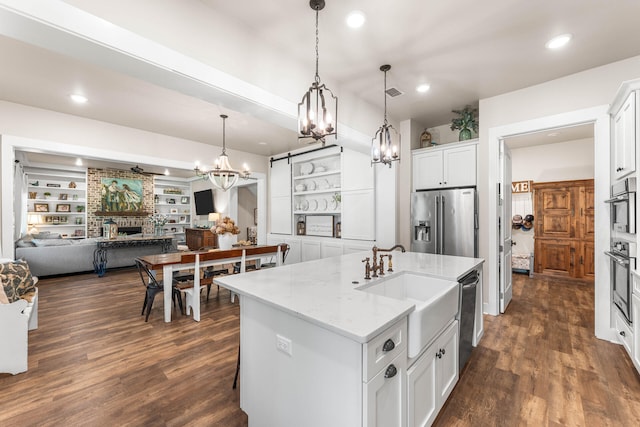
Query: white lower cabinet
x=384, y=395
x=432, y=377
x=330, y=249
x=624, y=332
x=635, y=309
x=311, y=249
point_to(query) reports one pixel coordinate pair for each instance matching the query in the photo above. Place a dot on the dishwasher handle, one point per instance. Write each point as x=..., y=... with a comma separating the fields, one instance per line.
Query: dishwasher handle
x=471, y=279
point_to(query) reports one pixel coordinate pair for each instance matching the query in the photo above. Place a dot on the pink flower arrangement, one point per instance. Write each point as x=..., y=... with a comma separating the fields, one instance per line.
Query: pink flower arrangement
x=225, y=225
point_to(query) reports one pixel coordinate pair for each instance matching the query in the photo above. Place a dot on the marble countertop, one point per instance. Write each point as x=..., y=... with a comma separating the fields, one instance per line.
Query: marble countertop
x=324, y=291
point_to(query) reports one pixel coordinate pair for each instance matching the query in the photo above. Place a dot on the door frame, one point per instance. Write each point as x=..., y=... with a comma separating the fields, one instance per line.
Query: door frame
x=505, y=279
x=599, y=116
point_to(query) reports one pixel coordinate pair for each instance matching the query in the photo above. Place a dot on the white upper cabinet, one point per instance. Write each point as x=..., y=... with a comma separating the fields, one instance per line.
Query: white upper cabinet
x=445, y=167
x=625, y=123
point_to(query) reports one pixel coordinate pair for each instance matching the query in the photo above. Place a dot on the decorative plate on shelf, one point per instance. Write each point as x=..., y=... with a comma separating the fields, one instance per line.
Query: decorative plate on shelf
x=320, y=169
x=311, y=185
x=323, y=204
x=305, y=205
x=313, y=205
x=334, y=205
x=301, y=187
x=323, y=184
x=306, y=168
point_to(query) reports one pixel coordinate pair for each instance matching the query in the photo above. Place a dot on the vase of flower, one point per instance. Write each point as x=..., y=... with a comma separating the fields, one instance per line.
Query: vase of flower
x=227, y=240
x=227, y=232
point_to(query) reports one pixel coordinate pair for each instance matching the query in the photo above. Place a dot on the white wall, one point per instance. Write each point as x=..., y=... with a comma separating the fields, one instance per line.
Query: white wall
x=563, y=161
x=49, y=131
x=543, y=103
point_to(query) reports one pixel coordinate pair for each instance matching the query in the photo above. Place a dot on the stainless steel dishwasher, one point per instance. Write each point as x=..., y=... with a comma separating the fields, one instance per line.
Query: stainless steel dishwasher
x=467, y=314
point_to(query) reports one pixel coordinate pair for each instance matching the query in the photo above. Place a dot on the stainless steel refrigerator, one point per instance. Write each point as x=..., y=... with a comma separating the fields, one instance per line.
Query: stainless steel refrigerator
x=445, y=222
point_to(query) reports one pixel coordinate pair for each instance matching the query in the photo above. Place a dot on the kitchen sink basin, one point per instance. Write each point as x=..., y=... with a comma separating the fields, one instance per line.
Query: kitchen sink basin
x=436, y=302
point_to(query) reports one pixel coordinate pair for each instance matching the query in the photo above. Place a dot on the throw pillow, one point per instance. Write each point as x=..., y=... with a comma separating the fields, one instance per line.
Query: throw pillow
x=16, y=280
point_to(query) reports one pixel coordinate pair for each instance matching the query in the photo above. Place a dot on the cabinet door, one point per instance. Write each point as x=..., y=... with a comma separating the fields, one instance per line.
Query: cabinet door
x=422, y=398
x=310, y=250
x=358, y=215
x=280, y=197
x=587, y=259
x=624, y=138
x=554, y=256
x=330, y=249
x=383, y=396
x=554, y=212
x=295, y=251
x=427, y=170
x=459, y=167
x=635, y=317
x=587, y=213
x=357, y=173
x=447, y=363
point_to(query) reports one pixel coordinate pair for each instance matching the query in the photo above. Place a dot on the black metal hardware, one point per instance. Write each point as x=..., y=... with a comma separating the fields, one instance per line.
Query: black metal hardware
x=622, y=333
x=388, y=345
x=439, y=354
x=390, y=372
x=289, y=156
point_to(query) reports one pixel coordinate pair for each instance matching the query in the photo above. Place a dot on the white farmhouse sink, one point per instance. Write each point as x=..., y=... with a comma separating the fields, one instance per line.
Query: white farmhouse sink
x=436, y=303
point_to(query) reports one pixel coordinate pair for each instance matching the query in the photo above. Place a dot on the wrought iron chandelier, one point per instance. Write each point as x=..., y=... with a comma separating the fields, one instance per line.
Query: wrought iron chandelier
x=385, y=145
x=223, y=176
x=314, y=111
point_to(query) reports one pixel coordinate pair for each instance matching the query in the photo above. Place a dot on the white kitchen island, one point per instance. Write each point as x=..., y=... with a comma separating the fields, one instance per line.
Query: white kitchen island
x=317, y=351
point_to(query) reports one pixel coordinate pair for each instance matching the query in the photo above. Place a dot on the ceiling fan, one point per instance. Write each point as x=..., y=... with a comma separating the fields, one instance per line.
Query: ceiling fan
x=138, y=169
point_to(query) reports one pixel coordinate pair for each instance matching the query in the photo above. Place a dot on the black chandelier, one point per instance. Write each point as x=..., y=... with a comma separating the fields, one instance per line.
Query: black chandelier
x=385, y=145
x=314, y=113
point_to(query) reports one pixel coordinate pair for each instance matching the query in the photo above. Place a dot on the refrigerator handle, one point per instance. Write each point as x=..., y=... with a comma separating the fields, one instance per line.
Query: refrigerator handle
x=437, y=224
x=442, y=225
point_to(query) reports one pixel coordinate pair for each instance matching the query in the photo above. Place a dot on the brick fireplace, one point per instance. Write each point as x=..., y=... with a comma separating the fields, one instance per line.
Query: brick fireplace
x=128, y=220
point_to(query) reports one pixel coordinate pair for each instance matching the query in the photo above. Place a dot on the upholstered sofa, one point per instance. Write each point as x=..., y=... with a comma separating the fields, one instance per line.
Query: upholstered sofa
x=17, y=319
x=50, y=256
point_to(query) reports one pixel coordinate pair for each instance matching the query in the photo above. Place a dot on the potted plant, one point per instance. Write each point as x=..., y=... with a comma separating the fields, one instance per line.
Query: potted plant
x=227, y=232
x=46, y=195
x=466, y=122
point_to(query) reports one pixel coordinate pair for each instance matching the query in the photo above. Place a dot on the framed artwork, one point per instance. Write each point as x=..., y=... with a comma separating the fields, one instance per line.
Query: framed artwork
x=63, y=207
x=53, y=185
x=183, y=219
x=171, y=201
x=62, y=196
x=184, y=200
x=121, y=195
x=320, y=225
x=41, y=207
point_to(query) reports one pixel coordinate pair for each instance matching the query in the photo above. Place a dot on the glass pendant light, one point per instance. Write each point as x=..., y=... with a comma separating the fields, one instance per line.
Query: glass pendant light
x=385, y=145
x=314, y=111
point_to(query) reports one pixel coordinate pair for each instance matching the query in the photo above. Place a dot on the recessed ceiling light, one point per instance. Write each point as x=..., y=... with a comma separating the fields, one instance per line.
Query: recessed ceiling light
x=552, y=134
x=78, y=161
x=558, y=41
x=78, y=99
x=355, y=19
x=262, y=143
x=166, y=172
x=423, y=87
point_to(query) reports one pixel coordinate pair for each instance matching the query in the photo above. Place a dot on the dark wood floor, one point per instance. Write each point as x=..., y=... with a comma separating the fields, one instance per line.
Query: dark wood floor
x=94, y=362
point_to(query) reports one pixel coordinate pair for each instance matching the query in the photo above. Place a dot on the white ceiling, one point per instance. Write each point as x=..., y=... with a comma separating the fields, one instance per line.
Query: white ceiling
x=467, y=50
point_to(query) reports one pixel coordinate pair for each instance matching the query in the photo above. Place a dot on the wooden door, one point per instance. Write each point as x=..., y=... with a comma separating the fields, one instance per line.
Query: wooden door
x=587, y=260
x=587, y=212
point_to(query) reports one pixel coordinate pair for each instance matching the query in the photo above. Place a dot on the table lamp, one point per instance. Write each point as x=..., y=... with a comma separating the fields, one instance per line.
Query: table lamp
x=32, y=221
x=213, y=218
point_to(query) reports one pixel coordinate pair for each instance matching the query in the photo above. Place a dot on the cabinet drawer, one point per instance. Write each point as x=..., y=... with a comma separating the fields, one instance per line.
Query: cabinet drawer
x=375, y=357
x=624, y=333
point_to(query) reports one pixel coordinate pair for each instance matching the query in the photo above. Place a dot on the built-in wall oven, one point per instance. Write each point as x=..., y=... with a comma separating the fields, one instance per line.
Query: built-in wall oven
x=623, y=260
x=623, y=206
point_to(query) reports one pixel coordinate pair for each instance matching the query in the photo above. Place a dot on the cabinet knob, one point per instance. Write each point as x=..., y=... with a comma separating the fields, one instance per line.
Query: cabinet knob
x=443, y=351
x=439, y=354
x=388, y=345
x=390, y=372
x=622, y=333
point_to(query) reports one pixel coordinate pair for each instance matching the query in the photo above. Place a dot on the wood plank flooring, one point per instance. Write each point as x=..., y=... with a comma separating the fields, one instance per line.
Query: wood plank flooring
x=94, y=362
x=540, y=364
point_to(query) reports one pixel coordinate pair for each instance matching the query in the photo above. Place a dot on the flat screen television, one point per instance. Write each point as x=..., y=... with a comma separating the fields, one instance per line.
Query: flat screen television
x=204, y=202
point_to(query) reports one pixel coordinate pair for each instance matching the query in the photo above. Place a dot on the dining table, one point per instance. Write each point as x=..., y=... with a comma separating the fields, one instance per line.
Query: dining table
x=169, y=263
